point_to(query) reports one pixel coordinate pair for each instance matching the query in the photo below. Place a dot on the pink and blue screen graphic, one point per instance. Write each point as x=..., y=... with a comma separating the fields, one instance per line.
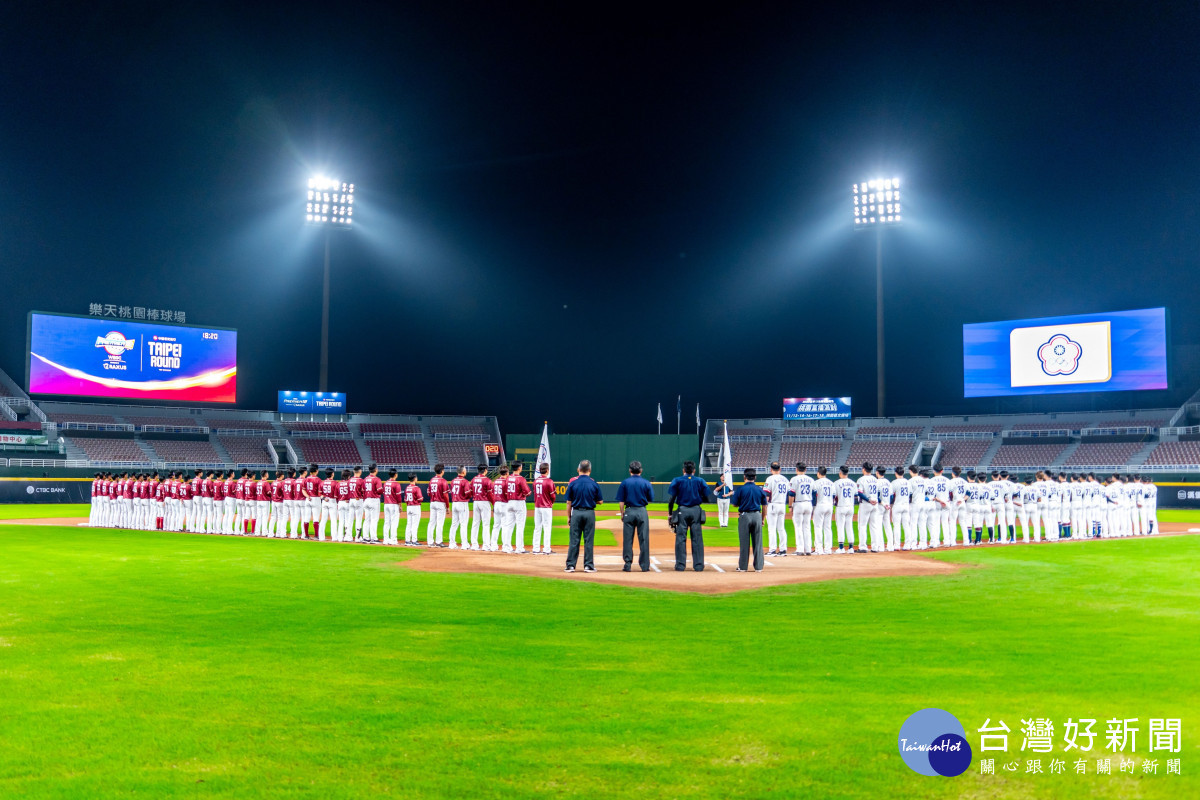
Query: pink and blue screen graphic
x=109, y=357
x=1118, y=351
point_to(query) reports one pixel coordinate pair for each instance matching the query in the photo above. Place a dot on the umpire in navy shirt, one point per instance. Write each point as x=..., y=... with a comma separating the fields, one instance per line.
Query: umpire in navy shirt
x=688, y=491
x=749, y=499
x=634, y=494
x=583, y=495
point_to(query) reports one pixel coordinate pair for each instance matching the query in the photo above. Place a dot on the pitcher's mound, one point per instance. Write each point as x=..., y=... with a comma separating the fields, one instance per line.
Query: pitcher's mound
x=718, y=576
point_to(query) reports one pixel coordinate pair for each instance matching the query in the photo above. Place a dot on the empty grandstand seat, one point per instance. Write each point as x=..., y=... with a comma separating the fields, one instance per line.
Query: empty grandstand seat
x=125, y=450
x=317, y=427
x=897, y=429
x=1102, y=454
x=1027, y=455
x=1130, y=422
x=966, y=453
x=239, y=424
x=402, y=451
x=1168, y=453
x=966, y=429
x=738, y=432
x=812, y=454
x=887, y=454
x=389, y=427
x=328, y=451
x=71, y=416
x=458, y=430
x=171, y=422
x=192, y=452
x=246, y=449
x=458, y=453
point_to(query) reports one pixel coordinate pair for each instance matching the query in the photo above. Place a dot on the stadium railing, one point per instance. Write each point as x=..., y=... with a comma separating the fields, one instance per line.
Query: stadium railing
x=375, y=437
x=817, y=434
x=885, y=437
x=1123, y=430
x=980, y=435
x=51, y=462
x=259, y=432
x=1035, y=433
x=317, y=434
x=272, y=443
x=461, y=437
x=1184, y=430
x=116, y=427
x=173, y=429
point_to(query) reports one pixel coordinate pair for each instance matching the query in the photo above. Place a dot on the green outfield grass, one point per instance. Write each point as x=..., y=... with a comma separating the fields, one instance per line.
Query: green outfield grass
x=162, y=666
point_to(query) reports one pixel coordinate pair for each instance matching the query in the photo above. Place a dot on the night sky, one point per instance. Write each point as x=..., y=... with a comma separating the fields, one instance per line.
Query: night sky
x=576, y=212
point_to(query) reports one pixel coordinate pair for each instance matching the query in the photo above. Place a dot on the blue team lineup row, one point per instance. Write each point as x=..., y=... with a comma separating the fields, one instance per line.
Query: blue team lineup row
x=918, y=509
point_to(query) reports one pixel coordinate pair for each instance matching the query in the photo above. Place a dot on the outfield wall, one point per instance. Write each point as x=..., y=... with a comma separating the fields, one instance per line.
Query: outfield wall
x=662, y=457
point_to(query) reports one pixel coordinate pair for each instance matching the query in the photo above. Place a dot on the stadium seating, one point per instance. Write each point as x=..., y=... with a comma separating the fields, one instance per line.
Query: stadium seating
x=1099, y=453
x=458, y=453
x=246, y=449
x=1070, y=425
x=966, y=428
x=191, y=452
x=458, y=430
x=738, y=432
x=316, y=427
x=403, y=451
x=25, y=425
x=328, y=451
x=750, y=454
x=887, y=454
x=388, y=427
x=966, y=453
x=1027, y=455
x=173, y=422
x=239, y=424
x=1168, y=453
x=813, y=454
x=70, y=416
x=896, y=429
x=110, y=449
x=1130, y=422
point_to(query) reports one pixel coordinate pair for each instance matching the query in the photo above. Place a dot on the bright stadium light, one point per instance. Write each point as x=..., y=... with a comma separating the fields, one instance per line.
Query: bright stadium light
x=877, y=205
x=328, y=204
x=877, y=202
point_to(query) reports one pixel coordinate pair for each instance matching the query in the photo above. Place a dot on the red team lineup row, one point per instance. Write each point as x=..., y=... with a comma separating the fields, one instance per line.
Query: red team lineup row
x=310, y=503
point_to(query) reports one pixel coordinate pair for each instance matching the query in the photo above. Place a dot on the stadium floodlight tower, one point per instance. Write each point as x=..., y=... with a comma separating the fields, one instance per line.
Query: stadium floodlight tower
x=877, y=206
x=329, y=205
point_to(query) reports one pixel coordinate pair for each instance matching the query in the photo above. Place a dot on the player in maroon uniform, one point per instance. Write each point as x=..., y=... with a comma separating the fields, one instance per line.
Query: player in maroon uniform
x=310, y=487
x=328, y=489
x=499, y=507
x=372, y=490
x=354, y=498
x=543, y=509
x=158, y=490
x=278, y=521
x=439, y=497
x=517, y=490
x=412, y=511
x=344, y=528
x=460, y=511
x=481, y=491
x=391, y=492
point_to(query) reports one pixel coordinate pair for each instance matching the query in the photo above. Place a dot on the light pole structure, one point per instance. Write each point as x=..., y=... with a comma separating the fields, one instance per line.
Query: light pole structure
x=877, y=206
x=329, y=205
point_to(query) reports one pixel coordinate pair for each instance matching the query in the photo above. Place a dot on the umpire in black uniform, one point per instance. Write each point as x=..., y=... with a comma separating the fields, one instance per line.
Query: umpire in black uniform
x=749, y=499
x=688, y=491
x=634, y=494
x=583, y=495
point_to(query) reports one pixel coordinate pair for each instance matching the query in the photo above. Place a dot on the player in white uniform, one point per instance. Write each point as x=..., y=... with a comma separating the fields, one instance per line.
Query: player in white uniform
x=776, y=488
x=823, y=514
x=1112, y=498
x=800, y=494
x=885, y=509
x=901, y=504
x=1012, y=491
x=940, y=532
x=869, y=528
x=1150, y=500
x=844, y=492
x=917, y=508
x=1026, y=503
x=960, y=518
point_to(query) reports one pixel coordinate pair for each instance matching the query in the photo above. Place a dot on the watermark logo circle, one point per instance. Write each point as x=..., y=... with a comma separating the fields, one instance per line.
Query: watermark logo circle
x=933, y=742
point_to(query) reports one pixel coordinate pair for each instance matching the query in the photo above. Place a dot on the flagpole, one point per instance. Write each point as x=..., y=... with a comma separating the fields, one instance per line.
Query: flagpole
x=678, y=413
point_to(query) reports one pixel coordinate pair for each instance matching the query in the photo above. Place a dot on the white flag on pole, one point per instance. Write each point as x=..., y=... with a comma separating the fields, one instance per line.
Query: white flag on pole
x=697, y=417
x=660, y=413
x=543, y=450
x=726, y=461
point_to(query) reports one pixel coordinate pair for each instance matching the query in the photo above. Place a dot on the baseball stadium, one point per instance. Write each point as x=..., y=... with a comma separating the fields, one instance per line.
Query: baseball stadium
x=489, y=401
